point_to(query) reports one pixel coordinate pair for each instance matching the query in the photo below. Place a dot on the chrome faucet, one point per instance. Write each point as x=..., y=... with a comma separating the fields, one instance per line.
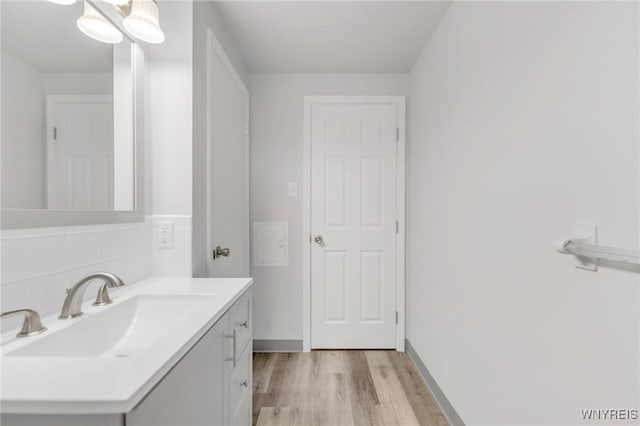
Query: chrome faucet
x=72, y=306
x=31, y=324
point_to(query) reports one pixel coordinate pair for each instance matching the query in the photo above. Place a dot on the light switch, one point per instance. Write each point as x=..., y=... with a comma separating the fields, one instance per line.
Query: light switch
x=293, y=189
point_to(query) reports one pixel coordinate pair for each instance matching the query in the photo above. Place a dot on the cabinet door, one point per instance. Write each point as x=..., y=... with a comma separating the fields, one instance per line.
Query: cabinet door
x=241, y=390
x=240, y=320
x=193, y=393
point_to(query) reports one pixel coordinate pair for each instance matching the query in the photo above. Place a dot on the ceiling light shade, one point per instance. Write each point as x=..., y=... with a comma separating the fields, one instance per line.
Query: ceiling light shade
x=63, y=2
x=143, y=22
x=94, y=25
x=117, y=2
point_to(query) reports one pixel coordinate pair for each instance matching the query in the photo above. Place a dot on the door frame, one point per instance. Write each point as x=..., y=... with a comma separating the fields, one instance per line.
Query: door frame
x=400, y=102
x=215, y=48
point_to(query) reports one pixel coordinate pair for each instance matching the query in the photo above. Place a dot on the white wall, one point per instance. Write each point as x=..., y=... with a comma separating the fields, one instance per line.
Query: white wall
x=205, y=15
x=170, y=112
x=23, y=135
x=524, y=120
x=276, y=160
x=169, y=126
x=123, y=129
x=78, y=84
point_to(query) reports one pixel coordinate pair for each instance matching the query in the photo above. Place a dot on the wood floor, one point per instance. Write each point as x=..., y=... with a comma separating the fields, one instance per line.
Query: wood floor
x=335, y=388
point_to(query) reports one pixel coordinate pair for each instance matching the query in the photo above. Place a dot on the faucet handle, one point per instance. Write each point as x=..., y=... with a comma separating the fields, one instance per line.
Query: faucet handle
x=31, y=324
x=103, y=296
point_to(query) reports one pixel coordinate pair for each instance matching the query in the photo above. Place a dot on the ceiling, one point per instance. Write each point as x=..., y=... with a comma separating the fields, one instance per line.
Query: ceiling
x=45, y=36
x=331, y=36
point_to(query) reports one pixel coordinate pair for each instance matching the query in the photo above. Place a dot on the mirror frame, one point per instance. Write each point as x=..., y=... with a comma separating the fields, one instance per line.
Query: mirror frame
x=33, y=218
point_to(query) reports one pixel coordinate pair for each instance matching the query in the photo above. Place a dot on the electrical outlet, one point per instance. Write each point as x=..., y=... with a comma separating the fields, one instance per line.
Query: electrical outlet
x=165, y=235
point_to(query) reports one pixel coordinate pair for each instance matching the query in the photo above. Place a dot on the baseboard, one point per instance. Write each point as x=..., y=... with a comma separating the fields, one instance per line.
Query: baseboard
x=277, y=345
x=446, y=407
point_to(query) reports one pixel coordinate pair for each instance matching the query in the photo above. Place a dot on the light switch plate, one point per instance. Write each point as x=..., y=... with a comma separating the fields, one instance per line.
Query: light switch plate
x=293, y=189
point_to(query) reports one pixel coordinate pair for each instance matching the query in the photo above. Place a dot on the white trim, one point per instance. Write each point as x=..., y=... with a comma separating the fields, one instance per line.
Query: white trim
x=401, y=157
x=306, y=227
x=400, y=101
x=214, y=47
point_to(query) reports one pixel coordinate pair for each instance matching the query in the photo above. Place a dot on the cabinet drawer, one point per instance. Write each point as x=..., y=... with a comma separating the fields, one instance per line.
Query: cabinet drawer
x=240, y=316
x=240, y=390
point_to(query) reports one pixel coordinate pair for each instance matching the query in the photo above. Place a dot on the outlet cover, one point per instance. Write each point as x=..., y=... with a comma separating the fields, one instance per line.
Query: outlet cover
x=165, y=235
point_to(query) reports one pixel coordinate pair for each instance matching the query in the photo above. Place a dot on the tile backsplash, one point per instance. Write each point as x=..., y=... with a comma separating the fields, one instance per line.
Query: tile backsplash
x=38, y=264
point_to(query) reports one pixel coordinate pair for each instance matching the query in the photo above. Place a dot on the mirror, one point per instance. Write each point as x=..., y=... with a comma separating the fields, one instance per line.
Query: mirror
x=67, y=113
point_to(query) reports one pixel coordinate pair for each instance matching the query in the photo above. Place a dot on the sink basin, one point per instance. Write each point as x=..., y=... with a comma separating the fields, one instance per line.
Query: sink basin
x=121, y=330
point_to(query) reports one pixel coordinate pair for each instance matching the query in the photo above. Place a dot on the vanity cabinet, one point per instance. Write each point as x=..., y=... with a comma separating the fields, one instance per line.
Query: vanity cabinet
x=193, y=392
x=212, y=384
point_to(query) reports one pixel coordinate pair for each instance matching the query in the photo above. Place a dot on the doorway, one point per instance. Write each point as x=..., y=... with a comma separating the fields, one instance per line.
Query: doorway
x=353, y=258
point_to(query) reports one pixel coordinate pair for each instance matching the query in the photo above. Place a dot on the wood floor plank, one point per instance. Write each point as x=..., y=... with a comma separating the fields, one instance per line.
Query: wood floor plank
x=279, y=371
x=389, y=389
x=276, y=416
x=341, y=388
x=368, y=415
x=424, y=405
x=360, y=382
x=328, y=403
x=263, y=365
x=260, y=400
x=275, y=384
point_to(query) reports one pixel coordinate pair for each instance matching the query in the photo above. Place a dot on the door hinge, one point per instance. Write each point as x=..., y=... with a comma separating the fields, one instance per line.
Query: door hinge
x=396, y=317
x=55, y=133
x=397, y=134
x=397, y=227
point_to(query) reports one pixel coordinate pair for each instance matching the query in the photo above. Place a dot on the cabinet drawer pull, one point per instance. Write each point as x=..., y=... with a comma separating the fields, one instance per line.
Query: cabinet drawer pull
x=245, y=324
x=245, y=384
x=232, y=336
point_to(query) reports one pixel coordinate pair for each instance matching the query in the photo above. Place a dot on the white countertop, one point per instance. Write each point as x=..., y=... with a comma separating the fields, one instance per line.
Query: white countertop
x=95, y=385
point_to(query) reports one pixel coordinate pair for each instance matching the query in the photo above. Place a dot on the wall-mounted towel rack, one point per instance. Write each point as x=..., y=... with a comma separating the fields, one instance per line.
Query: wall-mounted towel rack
x=578, y=248
x=583, y=244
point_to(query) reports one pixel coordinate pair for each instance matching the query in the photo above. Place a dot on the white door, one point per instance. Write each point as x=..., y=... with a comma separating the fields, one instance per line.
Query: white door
x=80, y=152
x=353, y=225
x=228, y=167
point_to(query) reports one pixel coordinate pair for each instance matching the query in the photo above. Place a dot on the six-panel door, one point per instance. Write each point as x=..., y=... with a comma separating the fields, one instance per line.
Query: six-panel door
x=353, y=224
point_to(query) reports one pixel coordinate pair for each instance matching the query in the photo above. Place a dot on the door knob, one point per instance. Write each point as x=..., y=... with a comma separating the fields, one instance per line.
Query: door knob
x=318, y=239
x=219, y=251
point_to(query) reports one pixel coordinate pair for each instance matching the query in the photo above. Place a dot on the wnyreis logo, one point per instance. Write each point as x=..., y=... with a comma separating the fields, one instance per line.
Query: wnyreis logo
x=609, y=414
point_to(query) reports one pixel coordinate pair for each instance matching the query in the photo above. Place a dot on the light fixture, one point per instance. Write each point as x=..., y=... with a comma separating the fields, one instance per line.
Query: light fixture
x=63, y=2
x=94, y=25
x=143, y=21
x=117, y=2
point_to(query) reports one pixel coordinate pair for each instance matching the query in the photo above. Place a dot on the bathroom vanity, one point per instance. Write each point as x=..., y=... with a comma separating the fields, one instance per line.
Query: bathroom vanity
x=167, y=351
